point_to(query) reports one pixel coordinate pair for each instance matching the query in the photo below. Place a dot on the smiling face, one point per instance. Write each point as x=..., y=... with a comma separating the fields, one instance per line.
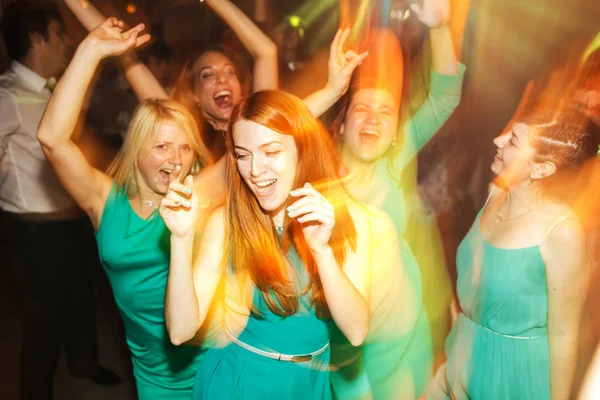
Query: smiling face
x=217, y=87
x=370, y=125
x=512, y=161
x=157, y=159
x=267, y=162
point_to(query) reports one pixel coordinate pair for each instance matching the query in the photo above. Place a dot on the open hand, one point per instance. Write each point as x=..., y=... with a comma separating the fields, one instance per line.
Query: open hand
x=180, y=208
x=315, y=214
x=342, y=64
x=433, y=13
x=108, y=39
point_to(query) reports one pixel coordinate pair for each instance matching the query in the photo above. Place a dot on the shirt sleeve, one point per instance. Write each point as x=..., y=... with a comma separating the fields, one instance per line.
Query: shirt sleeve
x=10, y=119
x=444, y=96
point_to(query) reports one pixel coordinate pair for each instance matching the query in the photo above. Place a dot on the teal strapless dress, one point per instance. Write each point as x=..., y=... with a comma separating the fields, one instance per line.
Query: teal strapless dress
x=498, y=348
x=135, y=256
x=233, y=372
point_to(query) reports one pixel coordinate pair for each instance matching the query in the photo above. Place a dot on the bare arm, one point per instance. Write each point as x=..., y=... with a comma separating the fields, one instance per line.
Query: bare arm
x=567, y=277
x=264, y=51
x=191, y=288
x=591, y=385
x=443, y=56
x=346, y=288
x=436, y=15
x=341, y=67
x=88, y=186
x=143, y=83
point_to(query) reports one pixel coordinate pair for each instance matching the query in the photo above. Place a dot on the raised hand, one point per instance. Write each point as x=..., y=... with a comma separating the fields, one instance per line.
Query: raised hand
x=108, y=39
x=315, y=214
x=433, y=13
x=342, y=64
x=180, y=207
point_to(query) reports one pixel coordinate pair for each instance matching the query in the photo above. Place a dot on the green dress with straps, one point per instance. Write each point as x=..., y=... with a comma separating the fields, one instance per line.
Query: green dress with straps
x=135, y=256
x=233, y=372
x=498, y=347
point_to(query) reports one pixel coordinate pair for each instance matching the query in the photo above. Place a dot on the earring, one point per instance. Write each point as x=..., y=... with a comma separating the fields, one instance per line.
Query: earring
x=531, y=180
x=393, y=143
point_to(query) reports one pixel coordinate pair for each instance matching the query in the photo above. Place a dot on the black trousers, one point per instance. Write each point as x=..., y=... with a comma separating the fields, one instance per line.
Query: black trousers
x=51, y=267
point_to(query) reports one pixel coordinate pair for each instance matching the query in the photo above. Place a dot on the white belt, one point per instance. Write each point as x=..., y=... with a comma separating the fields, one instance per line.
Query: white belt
x=277, y=356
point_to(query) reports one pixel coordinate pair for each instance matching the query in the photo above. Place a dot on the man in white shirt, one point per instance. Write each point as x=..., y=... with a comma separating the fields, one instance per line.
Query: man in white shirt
x=47, y=237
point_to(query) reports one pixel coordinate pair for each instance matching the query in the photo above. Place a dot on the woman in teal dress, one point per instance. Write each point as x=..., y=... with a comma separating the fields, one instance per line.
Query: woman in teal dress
x=396, y=361
x=522, y=274
x=132, y=239
x=293, y=258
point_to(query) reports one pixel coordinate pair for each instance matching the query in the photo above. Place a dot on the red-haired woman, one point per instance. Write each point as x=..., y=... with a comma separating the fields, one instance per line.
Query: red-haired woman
x=293, y=250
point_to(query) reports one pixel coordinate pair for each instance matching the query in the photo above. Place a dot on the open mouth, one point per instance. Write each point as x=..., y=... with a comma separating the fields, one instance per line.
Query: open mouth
x=369, y=135
x=165, y=174
x=498, y=157
x=223, y=99
x=265, y=188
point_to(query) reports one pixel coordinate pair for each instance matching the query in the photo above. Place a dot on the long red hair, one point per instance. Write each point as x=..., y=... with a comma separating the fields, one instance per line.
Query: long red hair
x=254, y=248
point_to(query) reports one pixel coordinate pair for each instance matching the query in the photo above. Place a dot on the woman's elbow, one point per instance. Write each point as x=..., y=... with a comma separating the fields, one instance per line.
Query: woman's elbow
x=268, y=51
x=44, y=137
x=178, y=338
x=180, y=334
x=359, y=334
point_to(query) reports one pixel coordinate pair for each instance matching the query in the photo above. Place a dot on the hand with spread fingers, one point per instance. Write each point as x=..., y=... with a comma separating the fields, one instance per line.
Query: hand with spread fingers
x=108, y=39
x=433, y=13
x=315, y=214
x=179, y=208
x=342, y=64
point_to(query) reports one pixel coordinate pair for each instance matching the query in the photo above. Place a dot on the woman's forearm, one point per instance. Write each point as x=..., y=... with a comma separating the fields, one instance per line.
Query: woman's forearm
x=443, y=54
x=348, y=307
x=86, y=13
x=320, y=101
x=143, y=83
x=262, y=49
x=181, y=304
x=66, y=102
x=563, y=361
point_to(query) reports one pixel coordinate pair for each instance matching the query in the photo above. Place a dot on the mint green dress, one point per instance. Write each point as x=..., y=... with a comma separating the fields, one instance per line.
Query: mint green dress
x=498, y=347
x=135, y=256
x=400, y=366
x=233, y=372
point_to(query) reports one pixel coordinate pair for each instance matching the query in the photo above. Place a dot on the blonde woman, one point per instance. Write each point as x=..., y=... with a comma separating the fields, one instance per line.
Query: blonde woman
x=133, y=241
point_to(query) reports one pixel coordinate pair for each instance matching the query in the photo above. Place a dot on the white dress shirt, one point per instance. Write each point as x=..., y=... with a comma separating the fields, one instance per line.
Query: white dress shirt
x=27, y=182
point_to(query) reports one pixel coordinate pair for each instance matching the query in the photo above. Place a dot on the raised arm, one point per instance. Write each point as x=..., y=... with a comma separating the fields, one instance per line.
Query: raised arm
x=567, y=278
x=262, y=49
x=88, y=186
x=143, y=83
x=446, y=82
x=192, y=281
x=341, y=66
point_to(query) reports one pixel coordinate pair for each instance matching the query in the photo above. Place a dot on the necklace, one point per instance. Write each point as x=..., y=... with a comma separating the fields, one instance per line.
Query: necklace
x=279, y=230
x=501, y=218
x=152, y=203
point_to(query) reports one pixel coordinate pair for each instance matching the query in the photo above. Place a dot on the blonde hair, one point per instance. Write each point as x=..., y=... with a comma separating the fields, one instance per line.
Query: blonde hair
x=144, y=125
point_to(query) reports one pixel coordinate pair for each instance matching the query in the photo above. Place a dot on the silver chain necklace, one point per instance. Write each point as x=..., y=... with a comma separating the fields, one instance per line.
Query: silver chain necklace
x=152, y=203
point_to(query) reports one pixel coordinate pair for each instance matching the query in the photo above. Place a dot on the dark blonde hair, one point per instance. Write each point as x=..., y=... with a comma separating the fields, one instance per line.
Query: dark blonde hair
x=145, y=124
